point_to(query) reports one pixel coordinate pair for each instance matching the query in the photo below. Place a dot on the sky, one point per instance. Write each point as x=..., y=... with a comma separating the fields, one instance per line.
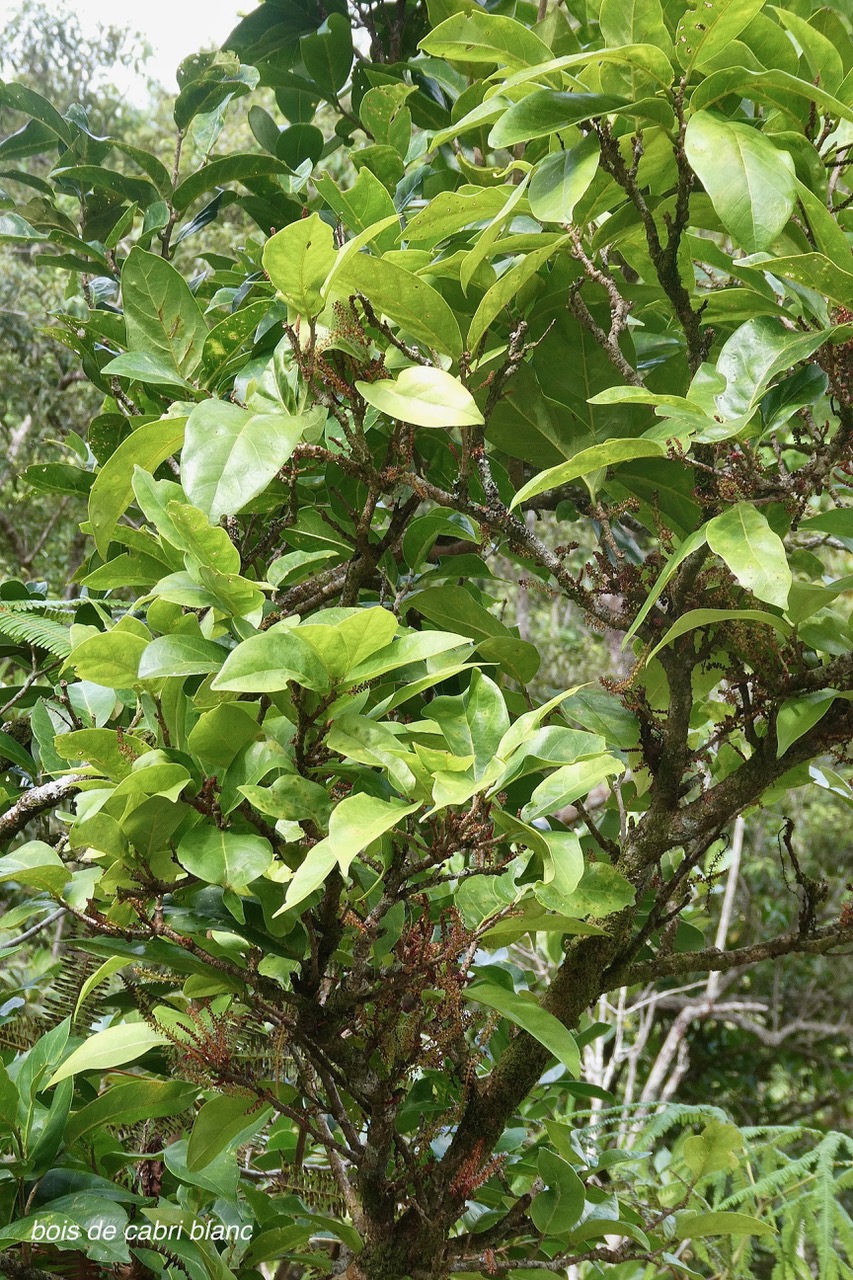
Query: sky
x=173, y=28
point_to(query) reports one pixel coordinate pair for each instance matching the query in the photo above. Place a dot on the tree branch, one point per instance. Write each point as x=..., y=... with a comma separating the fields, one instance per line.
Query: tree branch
x=35, y=801
x=712, y=960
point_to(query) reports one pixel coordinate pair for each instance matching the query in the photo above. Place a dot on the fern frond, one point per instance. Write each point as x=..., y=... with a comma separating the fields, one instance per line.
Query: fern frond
x=41, y=632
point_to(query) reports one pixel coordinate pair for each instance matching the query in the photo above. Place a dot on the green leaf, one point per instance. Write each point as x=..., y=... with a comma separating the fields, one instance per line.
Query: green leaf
x=37, y=865
x=527, y=1013
x=8, y=1098
x=687, y=548
x=229, y=858
x=125, y=1104
x=694, y=1226
x=710, y=617
x=356, y=822
x=547, y=111
x=298, y=260
x=454, y=608
x=218, y=1123
x=111, y=658
x=409, y=301
x=16, y=230
x=365, y=204
x=178, y=655
x=11, y=750
x=208, y=80
x=231, y=455
x=757, y=353
x=751, y=183
x=111, y=1048
x=709, y=26
x=268, y=662
x=755, y=554
x=561, y=179
x=609, y=454
x=327, y=54
x=143, y=366
x=634, y=22
x=839, y=522
x=110, y=753
x=221, y=732
x=343, y=645
x=473, y=724
x=21, y=98
x=556, y=1210
x=534, y=919
x=231, y=168
x=486, y=37
x=425, y=396
x=569, y=783
x=112, y=492
x=505, y=290
x=798, y=715
x=713, y=1150
x=602, y=891
x=815, y=271
x=413, y=647
x=775, y=87
x=161, y=315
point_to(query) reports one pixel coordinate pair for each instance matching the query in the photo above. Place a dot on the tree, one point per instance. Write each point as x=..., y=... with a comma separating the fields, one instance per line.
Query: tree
x=284, y=769
x=45, y=396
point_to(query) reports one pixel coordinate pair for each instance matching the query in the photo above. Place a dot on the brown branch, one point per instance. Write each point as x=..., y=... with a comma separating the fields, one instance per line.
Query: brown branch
x=712, y=960
x=36, y=801
x=620, y=309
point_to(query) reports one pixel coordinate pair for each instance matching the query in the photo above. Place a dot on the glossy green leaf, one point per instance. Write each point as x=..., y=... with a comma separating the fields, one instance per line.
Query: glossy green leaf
x=218, y=1123
x=298, y=260
x=127, y=1103
x=410, y=302
x=555, y=1210
x=569, y=783
x=755, y=554
x=327, y=54
x=695, y=1226
x=505, y=290
x=230, y=454
x=561, y=179
x=424, y=396
x=356, y=822
x=111, y=658
x=112, y=492
x=750, y=182
x=113, y=1047
x=708, y=27
x=601, y=891
x=798, y=715
x=35, y=864
x=547, y=111
x=268, y=662
x=179, y=655
x=609, y=454
x=147, y=367
x=486, y=37
x=710, y=617
x=161, y=315
x=229, y=858
x=526, y=1012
